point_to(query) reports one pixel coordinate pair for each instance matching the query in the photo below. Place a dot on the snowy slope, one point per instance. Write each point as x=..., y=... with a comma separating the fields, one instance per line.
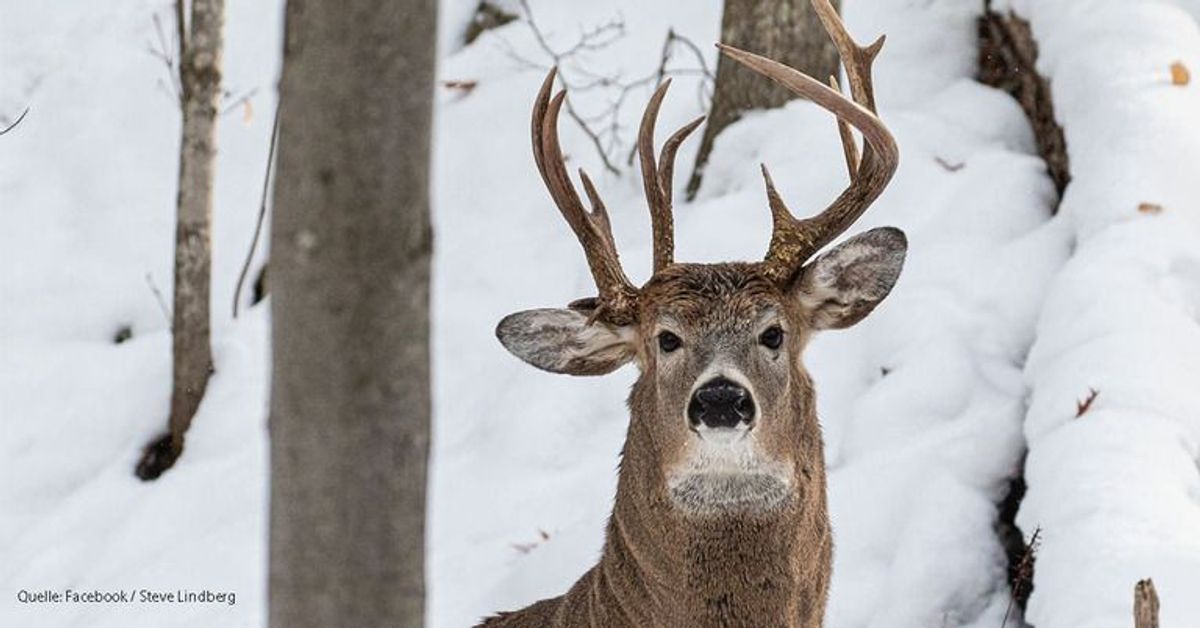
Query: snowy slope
x=923, y=405
x=87, y=194
x=1117, y=490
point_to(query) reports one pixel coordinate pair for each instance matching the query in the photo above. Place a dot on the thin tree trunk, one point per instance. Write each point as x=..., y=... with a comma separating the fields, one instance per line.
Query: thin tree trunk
x=200, y=80
x=350, y=250
x=1145, y=605
x=787, y=31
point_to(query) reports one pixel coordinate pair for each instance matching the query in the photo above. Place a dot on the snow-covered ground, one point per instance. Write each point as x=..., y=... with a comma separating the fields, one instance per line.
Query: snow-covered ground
x=1002, y=320
x=1117, y=490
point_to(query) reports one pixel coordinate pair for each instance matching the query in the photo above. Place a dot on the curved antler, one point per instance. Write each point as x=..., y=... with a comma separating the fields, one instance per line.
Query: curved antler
x=794, y=241
x=617, y=301
x=657, y=177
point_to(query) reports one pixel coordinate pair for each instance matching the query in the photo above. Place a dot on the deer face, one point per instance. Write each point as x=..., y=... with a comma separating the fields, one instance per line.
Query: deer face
x=723, y=407
x=723, y=393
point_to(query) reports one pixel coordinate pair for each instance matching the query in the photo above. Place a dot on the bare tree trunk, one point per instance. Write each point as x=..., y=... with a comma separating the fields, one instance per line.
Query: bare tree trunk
x=200, y=80
x=350, y=250
x=787, y=31
x=1145, y=605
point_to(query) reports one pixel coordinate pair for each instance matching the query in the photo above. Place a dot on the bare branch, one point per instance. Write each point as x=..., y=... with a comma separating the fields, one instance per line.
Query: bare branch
x=604, y=130
x=241, y=100
x=162, y=303
x=15, y=123
x=595, y=139
x=181, y=28
x=1024, y=573
x=162, y=52
x=262, y=212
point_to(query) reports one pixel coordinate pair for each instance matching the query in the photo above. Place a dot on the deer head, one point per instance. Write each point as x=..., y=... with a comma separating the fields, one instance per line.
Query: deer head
x=722, y=418
x=719, y=345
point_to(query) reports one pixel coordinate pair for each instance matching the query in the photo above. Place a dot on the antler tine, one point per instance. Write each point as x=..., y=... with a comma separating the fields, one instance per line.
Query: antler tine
x=849, y=147
x=794, y=241
x=617, y=299
x=857, y=59
x=657, y=177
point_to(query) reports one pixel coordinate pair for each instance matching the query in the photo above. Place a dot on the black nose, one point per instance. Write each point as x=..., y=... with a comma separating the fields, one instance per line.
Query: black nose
x=721, y=403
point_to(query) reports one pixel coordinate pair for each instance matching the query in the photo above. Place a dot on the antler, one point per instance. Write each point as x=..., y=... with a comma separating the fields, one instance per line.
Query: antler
x=617, y=300
x=657, y=178
x=793, y=241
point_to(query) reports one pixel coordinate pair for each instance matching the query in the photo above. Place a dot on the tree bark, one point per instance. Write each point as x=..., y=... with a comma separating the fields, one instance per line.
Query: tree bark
x=200, y=82
x=1145, y=605
x=1008, y=60
x=350, y=251
x=787, y=31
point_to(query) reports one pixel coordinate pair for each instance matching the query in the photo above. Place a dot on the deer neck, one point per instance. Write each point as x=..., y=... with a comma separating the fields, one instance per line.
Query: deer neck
x=663, y=568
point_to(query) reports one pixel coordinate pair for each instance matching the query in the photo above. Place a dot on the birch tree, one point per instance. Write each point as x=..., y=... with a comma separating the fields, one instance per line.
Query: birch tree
x=350, y=249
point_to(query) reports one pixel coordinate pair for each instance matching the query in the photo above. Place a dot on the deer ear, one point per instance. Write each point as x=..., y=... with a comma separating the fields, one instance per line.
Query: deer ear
x=841, y=286
x=562, y=341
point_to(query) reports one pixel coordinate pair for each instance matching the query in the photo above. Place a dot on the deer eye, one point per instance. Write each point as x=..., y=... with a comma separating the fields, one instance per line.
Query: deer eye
x=668, y=342
x=772, y=338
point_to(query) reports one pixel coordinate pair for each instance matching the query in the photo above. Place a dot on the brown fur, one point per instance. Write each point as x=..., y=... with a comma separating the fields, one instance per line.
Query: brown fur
x=717, y=523
x=663, y=567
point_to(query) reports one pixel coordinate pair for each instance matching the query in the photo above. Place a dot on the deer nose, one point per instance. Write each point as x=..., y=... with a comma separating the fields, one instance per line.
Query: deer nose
x=721, y=403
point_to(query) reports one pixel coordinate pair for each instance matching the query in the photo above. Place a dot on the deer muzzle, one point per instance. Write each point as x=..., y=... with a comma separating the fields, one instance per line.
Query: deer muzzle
x=721, y=403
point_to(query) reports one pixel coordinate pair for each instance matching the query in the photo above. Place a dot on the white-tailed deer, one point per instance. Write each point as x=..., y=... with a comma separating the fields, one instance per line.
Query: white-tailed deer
x=720, y=516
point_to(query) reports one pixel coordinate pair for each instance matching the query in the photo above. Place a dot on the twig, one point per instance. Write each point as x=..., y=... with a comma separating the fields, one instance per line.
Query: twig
x=181, y=28
x=949, y=167
x=691, y=45
x=608, y=140
x=245, y=97
x=162, y=303
x=585, y=43
x=162, y=53
x=14, y=124
x=595, y=139
x=262, y=212
x=1024, y=572
x=659, y=75
x=1081, y=407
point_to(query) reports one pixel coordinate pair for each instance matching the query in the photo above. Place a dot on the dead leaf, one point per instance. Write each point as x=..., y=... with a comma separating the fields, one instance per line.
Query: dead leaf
x=463, y=86
x=1081, y=407
x=1180, y=74
x=1150, y=208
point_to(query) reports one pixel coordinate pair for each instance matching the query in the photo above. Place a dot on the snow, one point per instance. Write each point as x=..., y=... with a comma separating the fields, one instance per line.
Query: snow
x=1001, y=322
x=1117, y=490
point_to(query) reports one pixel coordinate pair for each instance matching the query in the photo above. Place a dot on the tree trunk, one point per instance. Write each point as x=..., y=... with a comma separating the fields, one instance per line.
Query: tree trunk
x=200, y=81
x=350, y=251
x=787, y=31
x=1145, y=605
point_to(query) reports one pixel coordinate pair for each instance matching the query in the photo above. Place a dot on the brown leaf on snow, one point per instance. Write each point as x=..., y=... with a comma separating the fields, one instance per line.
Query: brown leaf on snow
x=1081, y=407
x=1150, y=208
x=1180, y=74
x=462, y=86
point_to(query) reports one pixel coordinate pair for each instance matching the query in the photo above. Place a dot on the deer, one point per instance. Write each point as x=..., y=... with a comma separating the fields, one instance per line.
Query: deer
x=720, y=515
